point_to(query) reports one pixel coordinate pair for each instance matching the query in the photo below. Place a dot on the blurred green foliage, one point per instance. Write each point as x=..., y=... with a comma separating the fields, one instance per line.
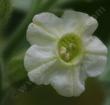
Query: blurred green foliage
x=5, y=10
x=15, y=88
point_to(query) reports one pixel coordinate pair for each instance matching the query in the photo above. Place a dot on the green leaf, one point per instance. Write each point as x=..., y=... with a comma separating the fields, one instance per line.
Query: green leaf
x=23, y=5
x=5, y=11
x=15, y=69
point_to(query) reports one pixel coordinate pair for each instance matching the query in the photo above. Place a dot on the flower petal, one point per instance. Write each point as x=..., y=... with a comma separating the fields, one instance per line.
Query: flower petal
x=95, y=58
x=80, y=23
x=95, y=46
x=40, y=75
x=63, y=79
x=66, y=81
x=38, y=35
x=94, y=65
x=36, y=56
x=50, y=22
x=83, y=75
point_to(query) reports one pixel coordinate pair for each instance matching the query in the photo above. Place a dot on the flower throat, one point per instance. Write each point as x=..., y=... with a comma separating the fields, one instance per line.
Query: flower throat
x=69, y=47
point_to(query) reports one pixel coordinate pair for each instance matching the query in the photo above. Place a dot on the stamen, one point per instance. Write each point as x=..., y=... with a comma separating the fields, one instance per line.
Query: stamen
x=67, y=56
x=63, y=50
x=69, y=47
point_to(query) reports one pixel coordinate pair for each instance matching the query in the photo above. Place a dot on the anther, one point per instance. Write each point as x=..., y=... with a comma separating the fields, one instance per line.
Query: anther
x=67, y=56
x=63, y=50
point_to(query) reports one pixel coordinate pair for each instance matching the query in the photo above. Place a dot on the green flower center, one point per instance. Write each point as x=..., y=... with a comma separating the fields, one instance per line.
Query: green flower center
x=70, y=48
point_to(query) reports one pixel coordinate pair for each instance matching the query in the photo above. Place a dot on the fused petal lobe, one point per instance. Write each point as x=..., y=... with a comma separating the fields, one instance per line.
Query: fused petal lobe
x=94, y=65
x=36, y=56
x=40, y=75
x=38, y=35
x=95, y=46
x=80, y=23
x=66, y=80
x=50, y=22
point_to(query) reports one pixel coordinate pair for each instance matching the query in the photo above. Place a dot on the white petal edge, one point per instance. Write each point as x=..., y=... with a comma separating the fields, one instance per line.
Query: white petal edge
x=95, y=46
x=40, y=75
x=50, y=22
x=95, y=59
x=80, y=23
x=37, y=55
x=94, y=65
x=66, y=81
x=38, y=35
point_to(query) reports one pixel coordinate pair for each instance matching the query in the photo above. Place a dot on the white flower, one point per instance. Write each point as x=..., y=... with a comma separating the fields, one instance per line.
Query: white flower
x=64, y=52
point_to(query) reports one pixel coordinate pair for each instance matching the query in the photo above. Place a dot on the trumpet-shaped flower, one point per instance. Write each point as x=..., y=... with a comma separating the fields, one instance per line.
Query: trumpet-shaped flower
x=64, y=52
